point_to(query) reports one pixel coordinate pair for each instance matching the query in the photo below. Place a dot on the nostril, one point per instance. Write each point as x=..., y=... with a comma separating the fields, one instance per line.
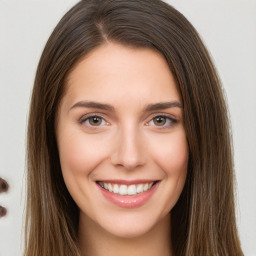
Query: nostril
x=3, y=186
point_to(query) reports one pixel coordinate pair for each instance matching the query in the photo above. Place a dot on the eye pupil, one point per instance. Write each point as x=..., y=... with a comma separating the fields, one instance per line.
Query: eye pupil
x=94, y=120
x=160, y=120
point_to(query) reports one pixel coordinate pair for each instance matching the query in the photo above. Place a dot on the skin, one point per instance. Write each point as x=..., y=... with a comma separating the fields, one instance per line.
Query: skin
x=125, y=143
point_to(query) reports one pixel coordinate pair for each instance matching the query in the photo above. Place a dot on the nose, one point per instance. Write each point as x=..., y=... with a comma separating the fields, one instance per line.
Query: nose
x=129, y=149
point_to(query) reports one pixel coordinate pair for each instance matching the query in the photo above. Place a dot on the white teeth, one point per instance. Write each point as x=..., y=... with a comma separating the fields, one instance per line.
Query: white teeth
x=123, y=190
x=110, y=189
x=126, y=190
x=131, y=190
x=145, y=187
x=140, y=188
x=116, y=189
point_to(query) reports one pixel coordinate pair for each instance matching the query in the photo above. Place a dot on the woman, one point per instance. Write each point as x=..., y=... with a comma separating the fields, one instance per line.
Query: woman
x=129, y=149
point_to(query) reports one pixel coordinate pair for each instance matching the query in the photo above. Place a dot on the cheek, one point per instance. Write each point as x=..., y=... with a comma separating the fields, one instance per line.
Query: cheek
x=79, y=153
x=171, y=153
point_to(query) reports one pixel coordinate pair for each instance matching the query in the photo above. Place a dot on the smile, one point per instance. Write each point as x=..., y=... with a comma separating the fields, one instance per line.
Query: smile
x=128, y=194
x=123, y=189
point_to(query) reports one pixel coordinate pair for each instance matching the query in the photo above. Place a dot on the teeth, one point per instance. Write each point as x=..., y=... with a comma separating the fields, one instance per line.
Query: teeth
x=145, y=187
x=110, y=189
x=116, y=189
x=123, y=190
x=140, y=188
x=126, y=190
x=131, y=190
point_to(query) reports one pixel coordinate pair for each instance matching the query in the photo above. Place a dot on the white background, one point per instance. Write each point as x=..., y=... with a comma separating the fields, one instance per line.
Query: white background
x=228, y=28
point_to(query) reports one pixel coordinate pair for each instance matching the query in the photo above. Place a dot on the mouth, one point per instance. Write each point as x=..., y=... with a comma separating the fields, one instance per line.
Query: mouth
x=124, y=189
x=128, y=194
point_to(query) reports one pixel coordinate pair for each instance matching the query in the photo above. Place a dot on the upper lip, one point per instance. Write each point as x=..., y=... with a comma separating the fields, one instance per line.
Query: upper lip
x=127, y=182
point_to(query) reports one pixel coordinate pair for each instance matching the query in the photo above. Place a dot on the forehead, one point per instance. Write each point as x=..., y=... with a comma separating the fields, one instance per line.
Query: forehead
x=114, y=71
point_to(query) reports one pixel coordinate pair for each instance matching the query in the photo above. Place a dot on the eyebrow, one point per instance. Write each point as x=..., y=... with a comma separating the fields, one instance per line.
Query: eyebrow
x=163, y=105
x=91, y=104
x=148, y=108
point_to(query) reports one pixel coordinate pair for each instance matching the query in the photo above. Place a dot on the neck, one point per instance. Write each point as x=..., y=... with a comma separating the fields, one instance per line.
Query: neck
x=95, y=241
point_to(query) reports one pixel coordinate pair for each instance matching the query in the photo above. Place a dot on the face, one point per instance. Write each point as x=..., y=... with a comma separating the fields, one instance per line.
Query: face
x=121, y=140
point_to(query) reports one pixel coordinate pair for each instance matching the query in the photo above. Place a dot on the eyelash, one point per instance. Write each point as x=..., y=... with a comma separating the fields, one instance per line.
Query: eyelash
x=86, y=118
x=172, y=121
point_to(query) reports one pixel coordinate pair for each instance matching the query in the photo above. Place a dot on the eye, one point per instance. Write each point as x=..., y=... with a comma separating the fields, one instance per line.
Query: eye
x=159, y=120
x=94, y=121
x=162, y=121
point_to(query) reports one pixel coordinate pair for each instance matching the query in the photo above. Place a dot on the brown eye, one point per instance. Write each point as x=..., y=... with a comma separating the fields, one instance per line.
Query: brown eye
x=159, y=120
x=94, y=121
x=162, y=121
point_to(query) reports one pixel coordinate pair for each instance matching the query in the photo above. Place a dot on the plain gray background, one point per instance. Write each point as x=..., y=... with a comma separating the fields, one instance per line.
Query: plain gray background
x=228, y=28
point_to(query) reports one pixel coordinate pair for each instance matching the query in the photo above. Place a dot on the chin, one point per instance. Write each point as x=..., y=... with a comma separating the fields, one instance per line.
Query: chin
x=127, y=232
x=133, y=225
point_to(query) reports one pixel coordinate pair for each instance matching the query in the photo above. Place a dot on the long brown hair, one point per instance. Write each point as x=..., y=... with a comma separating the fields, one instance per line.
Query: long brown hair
x=203, y=220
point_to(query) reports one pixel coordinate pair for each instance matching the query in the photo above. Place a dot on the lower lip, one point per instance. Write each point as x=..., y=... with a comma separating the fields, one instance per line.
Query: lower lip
x=129, y=201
